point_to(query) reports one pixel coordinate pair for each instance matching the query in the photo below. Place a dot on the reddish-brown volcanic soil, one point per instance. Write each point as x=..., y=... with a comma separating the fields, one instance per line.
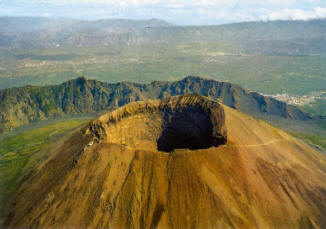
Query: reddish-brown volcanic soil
x=184, y=162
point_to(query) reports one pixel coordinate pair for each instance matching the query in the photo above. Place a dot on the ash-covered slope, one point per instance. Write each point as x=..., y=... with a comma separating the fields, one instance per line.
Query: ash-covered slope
x=21, y=106
x=114, y=173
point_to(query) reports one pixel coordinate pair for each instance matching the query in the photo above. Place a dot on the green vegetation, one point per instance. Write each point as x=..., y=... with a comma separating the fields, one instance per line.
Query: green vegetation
x=319, y=141
x=318, y=107
x=21, y=151
x=296, y=75
x=267, y=57
x=21, y=106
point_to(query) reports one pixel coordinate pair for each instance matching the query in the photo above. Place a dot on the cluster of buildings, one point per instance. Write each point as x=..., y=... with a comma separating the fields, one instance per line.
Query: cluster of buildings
x=299, y=100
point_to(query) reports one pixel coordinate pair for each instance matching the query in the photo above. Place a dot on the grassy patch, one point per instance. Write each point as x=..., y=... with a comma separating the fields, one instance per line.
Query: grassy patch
x=319, y=141
x=17, y=151
x=318, y=107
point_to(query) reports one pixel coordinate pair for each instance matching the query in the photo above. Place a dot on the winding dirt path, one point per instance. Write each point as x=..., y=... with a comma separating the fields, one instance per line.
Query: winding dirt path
x=255, y=145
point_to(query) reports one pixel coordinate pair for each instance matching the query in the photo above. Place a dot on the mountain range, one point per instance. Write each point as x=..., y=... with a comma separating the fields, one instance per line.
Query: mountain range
x=272, y=37
x=23, y=105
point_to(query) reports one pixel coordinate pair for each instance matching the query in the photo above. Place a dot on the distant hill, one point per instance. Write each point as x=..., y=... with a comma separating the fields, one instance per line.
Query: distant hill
x=273, y=37
x=31, y=24
x=24, y=105
x=35, y=32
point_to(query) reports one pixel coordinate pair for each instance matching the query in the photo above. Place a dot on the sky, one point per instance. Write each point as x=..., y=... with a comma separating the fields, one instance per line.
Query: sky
x=179, y=12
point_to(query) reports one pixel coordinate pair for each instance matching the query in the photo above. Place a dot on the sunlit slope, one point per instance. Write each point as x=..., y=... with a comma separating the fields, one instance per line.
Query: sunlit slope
x=255, y=176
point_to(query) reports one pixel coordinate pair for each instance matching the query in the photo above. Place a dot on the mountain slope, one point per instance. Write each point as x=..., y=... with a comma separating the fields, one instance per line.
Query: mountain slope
x=36, y=32
x=111, y=174
x=30, y=24
x=21, y=106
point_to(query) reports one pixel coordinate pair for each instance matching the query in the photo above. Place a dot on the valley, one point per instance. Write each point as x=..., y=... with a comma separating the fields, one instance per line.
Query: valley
x=145, y=63
x=267, y=57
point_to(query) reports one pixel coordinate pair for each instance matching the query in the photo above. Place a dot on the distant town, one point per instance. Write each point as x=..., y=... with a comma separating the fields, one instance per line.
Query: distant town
x=299, y=100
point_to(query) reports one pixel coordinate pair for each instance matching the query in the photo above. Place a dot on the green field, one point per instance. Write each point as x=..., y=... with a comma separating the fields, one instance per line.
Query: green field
x=318, y=107
x=319, y=141
x=145, y=63
x=20, y=152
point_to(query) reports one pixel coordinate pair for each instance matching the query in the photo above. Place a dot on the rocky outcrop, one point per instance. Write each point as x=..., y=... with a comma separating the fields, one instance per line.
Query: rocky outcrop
x=188, y=121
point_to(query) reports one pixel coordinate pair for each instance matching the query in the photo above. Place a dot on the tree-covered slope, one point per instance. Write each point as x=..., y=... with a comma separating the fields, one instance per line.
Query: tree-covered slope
x=24, y=105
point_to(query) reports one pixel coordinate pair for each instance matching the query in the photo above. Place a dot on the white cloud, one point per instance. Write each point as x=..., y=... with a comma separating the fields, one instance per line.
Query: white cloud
x=296, y=14
x=175, y=11
x=169, y=2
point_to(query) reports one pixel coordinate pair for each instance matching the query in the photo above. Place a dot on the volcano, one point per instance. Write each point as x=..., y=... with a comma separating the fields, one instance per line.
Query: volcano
x=181, y=162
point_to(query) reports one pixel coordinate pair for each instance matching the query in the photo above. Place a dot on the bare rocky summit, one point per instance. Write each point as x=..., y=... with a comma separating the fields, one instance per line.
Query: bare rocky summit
x=178, y=122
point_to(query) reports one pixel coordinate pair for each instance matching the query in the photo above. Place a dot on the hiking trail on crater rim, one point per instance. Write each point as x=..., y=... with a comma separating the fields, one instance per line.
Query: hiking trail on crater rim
x=180, y=162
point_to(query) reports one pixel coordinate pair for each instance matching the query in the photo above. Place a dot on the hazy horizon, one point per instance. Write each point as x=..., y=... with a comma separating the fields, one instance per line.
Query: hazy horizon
x=160, y=19
x=202, y=12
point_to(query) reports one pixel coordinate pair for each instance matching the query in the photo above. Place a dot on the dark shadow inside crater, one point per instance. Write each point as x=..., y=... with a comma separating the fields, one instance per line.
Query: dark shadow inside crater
x=190, y=128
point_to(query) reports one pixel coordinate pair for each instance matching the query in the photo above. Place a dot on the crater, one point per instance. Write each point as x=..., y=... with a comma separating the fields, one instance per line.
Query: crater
x=188, y=127
x=180, y=122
